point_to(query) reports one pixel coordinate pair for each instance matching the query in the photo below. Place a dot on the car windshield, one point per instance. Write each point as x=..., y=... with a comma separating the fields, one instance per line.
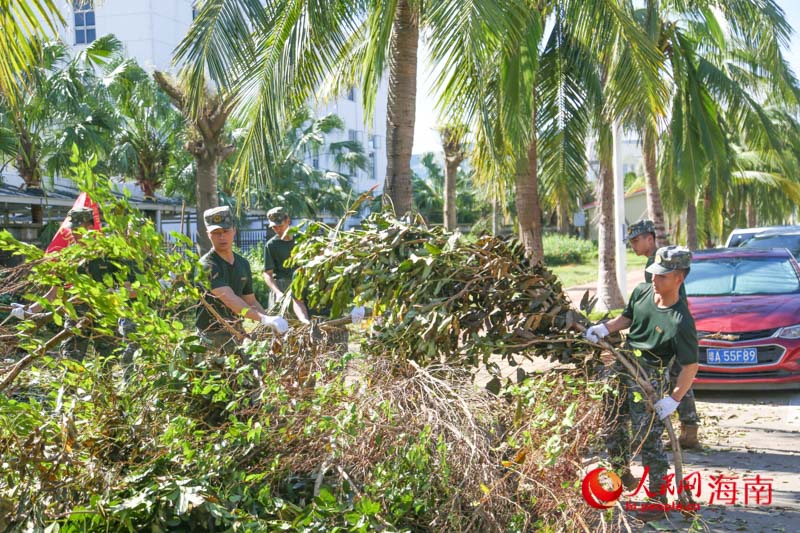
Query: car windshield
x=727, y=276
x=790, y=242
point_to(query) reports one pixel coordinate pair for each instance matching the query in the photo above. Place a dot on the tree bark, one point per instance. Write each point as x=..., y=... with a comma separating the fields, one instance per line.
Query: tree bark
x=752, y=218
x=27, y=164
x=453, y=157
x=655, y=209
x=401, y=109
x=563, y=222
x=529, y=210
x=691, y=224
x=609, y=294
x=707, y=218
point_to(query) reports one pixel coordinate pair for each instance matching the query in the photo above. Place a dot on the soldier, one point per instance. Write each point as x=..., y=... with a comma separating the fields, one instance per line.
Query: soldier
x=76, y=346
x=660, y=328
x=277, y=275
x=642, y=238
x=231, y=284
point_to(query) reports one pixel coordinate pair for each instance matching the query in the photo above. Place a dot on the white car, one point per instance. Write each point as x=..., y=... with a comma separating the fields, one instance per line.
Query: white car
x=740, y=236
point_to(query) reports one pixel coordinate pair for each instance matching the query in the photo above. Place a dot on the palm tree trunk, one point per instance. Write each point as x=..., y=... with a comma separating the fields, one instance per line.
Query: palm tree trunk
x=27, y=164
x=655, y=209
x=207, y=197
x=752, y=219
x=691, y=224
x=495, y=215
x=707, y=218
x=563, y=222
x=529, y=211
x=609, y=294
x=401, y=109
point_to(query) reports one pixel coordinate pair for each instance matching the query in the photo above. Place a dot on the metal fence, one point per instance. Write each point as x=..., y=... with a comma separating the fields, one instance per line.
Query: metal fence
x=246, y=240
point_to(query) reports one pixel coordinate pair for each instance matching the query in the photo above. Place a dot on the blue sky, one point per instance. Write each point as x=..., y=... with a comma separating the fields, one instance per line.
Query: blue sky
x=427, y=140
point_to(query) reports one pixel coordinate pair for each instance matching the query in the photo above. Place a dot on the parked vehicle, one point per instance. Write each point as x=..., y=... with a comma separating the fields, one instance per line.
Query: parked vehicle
x=739, y=236
x=777, y=239
x=746, y=304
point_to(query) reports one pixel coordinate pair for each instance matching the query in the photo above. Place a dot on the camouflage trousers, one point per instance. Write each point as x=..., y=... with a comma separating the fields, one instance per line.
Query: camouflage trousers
x=687, y=410
x=630, y=425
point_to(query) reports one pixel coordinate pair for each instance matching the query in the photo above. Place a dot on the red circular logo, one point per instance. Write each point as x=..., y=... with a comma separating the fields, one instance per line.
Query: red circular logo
x=598, y=496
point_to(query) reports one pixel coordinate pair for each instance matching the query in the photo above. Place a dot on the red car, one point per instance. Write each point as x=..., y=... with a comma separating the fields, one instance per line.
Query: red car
x=746, y=304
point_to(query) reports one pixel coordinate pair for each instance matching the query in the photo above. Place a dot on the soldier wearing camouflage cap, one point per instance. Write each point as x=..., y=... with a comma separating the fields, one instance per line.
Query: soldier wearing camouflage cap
x=231, y=284
x=642, y=239
x=661, y=329
x=80, y=217
x=277, y=273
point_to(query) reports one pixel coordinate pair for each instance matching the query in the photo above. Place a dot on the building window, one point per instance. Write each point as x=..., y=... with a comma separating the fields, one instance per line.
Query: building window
x=85, y=30
x=373, y=166
x=351, y=94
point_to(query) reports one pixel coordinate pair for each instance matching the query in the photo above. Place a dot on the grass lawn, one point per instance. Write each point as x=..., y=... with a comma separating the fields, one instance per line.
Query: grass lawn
x=580, y=274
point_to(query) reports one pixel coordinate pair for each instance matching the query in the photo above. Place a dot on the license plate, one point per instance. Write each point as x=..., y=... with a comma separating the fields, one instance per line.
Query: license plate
x=732, y=356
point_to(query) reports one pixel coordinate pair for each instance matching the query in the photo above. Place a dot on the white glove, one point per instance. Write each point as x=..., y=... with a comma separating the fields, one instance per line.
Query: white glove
x=165, y=284
x=357, y=315
x=278, y=323
x=595, y=333
x=18, y=311
x=665, y=407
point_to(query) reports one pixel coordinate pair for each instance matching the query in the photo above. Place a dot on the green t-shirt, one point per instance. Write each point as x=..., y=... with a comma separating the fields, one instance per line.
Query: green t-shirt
x=648, y=277
x=660, y=333
x=276, y=252
x=236, y=275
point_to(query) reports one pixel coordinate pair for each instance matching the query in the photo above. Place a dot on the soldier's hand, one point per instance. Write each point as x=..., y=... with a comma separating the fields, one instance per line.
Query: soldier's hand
x=595, y=333
x=18, y=311
x=277, y=323
x=665, y=407
x=357, y=315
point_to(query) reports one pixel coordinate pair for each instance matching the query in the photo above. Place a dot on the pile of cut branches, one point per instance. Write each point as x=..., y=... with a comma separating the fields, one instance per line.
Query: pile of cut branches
x=441, y=297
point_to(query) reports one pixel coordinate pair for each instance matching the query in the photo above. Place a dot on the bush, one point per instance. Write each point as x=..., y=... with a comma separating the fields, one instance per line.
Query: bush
x=564, y=250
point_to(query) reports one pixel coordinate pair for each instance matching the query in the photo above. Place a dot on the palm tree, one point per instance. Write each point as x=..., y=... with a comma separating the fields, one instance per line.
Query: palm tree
x=301, y=187
x=207, y=141
x=276, y=57
x=58, y=103
x=147, y=145
x=23, y=23
x=716, y=79
x=528, y=100
x=454, y=154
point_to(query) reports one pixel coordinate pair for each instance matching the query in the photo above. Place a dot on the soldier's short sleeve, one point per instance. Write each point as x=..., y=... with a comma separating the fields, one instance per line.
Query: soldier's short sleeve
x=628, y=311
x=686, y=348
x=269, y=261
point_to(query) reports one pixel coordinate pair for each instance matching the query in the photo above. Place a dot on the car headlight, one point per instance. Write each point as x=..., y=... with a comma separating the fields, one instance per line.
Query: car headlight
x=790, y=332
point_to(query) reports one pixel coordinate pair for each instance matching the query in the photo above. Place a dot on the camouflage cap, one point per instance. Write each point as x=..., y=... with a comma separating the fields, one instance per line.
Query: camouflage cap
x=276, y=215
x=218, y=218
x=640, y=228
x=670, y=258
x=80, y=216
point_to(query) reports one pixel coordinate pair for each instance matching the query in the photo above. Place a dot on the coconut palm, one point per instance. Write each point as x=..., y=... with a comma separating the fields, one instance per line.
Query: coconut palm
x=23, y=23
x=278, y=56
x=454, y=148
x=716, y=78
x=529, y=99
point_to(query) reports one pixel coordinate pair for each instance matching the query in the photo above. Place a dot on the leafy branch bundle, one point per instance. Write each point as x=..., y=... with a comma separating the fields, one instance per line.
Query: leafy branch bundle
x=441, y=298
